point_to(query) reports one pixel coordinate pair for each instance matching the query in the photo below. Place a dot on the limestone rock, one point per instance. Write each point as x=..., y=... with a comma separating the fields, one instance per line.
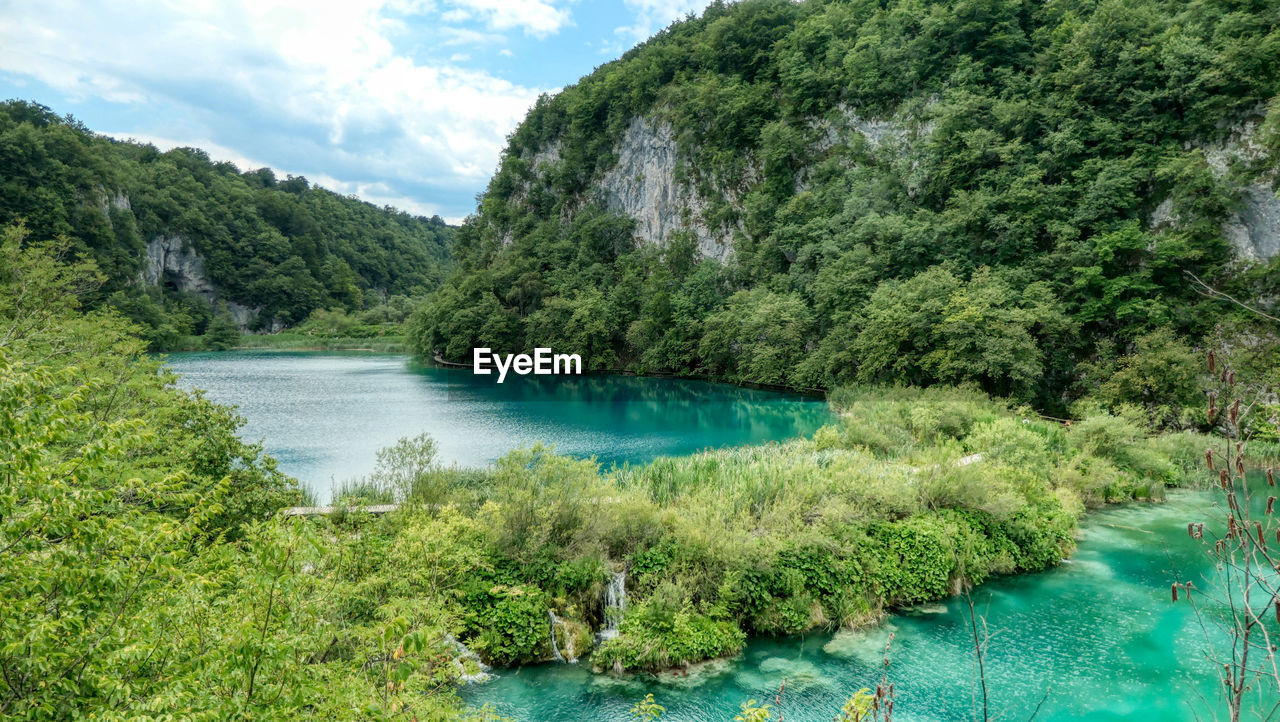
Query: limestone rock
x=644, y=186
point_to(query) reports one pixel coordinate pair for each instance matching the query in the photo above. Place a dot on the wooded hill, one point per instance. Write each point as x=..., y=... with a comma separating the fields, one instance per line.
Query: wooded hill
x=818, y=193
x=187, y=243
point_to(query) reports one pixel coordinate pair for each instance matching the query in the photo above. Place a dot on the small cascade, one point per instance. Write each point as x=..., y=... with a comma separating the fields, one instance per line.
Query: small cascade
x=465, y=654
x=567, y=655
x=615, y=603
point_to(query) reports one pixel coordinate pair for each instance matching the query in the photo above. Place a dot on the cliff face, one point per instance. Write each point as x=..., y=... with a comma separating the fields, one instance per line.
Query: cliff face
x=652, y=182
x=646, y=185
x=1254, y=230
x=1239, y=166
x=172, y=261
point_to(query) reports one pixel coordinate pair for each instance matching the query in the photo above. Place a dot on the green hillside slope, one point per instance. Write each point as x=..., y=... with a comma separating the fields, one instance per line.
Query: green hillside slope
x=818, y=193
x=182, y=238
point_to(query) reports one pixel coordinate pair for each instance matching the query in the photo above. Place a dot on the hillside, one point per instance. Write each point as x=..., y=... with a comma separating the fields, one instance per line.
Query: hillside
x=818, y=193
x=188, y=244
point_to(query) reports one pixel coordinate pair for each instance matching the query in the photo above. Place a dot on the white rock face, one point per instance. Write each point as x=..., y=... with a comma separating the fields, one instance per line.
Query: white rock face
x=877, y=131
x=171, y=259
x=1163, y=216
x=244, y=315
x=1254, y=229
x=643, y=185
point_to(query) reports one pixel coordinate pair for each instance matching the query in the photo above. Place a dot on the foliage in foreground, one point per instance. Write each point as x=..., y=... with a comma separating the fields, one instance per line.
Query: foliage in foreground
x=143, y=573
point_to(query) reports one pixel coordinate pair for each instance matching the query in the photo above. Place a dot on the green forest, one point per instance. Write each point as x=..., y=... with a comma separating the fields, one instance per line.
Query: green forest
x=1008, y=299
x=1005, y=238
x=147, y=573
x=279, y=248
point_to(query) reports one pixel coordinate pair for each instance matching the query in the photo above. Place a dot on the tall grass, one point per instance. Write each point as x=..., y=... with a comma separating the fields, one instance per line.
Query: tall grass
x=305, y=342
x=1263, y=453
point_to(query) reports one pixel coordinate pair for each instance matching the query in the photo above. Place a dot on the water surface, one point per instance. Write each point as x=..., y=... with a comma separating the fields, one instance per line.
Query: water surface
x=324, y=415
x=1096, y=638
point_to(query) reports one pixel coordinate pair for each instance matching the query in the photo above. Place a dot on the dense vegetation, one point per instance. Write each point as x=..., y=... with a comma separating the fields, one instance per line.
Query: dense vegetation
x=993, y=225
x=143, y=571
x=999, y=252
x=280, y=248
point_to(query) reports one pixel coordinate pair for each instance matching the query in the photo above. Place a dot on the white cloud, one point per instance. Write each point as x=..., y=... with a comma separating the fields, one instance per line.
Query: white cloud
x=534, y=17
x=654, y=15
x=380, y=194
x=302, y=85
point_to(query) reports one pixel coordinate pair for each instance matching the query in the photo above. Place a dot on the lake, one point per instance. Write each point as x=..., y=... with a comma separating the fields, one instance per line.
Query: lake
x=324, y=415
x=1096, y=638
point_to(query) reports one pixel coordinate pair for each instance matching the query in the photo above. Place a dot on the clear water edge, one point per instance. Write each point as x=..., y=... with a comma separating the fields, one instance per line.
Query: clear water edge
x=324, y=415
x=1096, y=638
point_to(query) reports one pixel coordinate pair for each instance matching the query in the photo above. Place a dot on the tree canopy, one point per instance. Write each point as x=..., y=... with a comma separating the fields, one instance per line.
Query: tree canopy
x=280, y=246
x=912, y=191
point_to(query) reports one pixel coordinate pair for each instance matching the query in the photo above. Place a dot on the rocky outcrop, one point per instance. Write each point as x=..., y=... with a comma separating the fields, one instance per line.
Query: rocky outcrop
x=1253, y=229
x=655, y=185
x=173, y=261
x=648, y=186
x=119, y=201
x=644, y=185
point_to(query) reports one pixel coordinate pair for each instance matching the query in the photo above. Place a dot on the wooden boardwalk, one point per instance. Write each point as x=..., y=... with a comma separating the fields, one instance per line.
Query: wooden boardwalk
x=322, y=510
x=450, y=364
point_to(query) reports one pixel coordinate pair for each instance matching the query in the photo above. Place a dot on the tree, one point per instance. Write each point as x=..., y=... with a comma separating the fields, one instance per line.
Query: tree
x=222, y=332
x=934, y=327
x=759, y=336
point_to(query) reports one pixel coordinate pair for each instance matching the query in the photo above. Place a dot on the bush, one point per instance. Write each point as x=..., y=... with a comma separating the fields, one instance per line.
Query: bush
x=511, y=625
x=654, y=637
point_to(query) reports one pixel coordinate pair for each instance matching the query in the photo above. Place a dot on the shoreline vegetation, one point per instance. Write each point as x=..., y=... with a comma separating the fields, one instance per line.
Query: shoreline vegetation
x=955, y=216
x=133, y=503
x=285, y=341
x=921, y=493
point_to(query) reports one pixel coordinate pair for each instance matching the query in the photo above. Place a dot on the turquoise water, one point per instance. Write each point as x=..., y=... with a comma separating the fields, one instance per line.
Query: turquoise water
x=1096, y=638
x=324, y=415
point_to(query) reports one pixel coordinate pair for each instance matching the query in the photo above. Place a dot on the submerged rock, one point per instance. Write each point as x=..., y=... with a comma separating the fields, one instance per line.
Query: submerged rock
x=798, y=674
x=695, y=675
x=866, y=646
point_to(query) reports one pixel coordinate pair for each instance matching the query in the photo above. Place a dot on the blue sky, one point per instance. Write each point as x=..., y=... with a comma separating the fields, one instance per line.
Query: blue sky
x=401, y=102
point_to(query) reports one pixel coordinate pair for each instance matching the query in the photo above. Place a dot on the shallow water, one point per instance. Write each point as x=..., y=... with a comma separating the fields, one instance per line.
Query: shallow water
x=1096, y=638
x=324, y=415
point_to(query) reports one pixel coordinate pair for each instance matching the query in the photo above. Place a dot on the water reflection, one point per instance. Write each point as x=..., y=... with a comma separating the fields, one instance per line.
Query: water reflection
x=325, y=415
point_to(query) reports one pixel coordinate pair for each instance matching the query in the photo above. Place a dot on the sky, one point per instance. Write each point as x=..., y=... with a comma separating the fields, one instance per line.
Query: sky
x=405, y=103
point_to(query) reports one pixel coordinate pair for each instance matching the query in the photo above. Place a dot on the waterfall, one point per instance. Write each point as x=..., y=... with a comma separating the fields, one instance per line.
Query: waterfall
x=615, y=603
x=465, y=653
x=568, y=655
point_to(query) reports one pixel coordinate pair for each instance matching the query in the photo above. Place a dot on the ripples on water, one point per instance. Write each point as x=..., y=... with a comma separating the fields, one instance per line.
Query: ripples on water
x=1098, y=634
x=325, y=415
